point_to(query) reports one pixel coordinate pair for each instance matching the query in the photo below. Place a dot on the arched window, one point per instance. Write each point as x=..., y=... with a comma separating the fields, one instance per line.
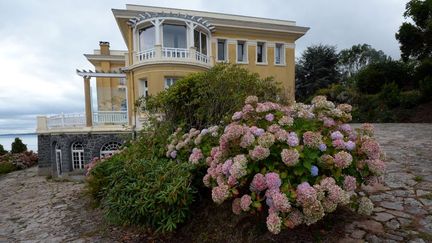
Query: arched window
x=77, y=156
x=58, y=158
x=109, y=149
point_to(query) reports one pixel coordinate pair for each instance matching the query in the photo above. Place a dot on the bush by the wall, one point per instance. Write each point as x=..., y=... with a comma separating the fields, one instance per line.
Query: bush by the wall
x=2, y=150
x=426, y=88
x=6, y=167
x=18, y=146
x=204, y=99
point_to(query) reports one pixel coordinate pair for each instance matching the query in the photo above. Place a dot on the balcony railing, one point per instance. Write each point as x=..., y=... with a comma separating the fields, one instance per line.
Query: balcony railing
x=172, y=54
x=79, y=120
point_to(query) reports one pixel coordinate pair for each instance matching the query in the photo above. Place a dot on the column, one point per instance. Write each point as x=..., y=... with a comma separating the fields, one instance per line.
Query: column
x=88, y=111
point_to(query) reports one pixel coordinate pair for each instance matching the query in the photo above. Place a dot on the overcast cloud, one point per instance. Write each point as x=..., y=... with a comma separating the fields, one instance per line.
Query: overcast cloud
x=42, y=42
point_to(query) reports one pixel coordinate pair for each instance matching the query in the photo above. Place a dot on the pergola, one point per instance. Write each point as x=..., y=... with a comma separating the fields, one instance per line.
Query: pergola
x=90, y=74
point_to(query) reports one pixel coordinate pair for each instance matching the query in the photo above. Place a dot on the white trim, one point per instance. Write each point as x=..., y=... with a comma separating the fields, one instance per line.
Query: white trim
x=225, y=51
x=90, y=73
x=246, y=54
x=79, y=154
x=265, y=61
x=282, y=61
x=58, y=159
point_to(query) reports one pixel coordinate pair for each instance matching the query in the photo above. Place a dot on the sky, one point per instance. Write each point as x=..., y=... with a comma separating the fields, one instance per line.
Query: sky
x=42, y=42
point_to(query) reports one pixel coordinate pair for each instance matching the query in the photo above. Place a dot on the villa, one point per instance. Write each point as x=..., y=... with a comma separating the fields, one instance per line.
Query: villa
x=163, y=45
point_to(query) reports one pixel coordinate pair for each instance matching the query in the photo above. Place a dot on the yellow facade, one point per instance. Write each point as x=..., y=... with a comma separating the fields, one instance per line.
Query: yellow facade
x=146, y=70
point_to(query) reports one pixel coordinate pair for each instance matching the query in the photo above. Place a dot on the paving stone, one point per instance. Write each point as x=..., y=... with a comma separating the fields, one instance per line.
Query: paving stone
x=392, y=205
x=421, y=193
x=371, y=226
x=383, y=217
x=358, y=234
x=417, y=240
x=373, y=238
x=425, y=201
x=413, y=206
x=393, y=224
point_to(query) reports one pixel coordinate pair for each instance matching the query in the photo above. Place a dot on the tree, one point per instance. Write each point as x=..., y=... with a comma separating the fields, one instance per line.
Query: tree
x=18, y=146
x=2, y=150
x=358, y=56
x=416, y=38
x=203, y=99
x=373, y=77
x=316, y=69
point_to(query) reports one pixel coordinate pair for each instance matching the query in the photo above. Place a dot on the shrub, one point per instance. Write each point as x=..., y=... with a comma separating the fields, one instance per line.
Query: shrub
x=390, y=95
x=2, y=150
x=18, y=146
x=299, y=162
x=6, y=167
x=153, y=193
x=410, y=99
x=204, y=99
x=426, y=88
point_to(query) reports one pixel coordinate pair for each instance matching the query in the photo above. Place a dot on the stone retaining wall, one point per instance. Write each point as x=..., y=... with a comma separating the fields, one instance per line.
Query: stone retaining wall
x=92, y=143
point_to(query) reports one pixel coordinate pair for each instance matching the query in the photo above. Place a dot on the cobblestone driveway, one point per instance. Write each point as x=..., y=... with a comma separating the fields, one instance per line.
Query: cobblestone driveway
x=34, y=209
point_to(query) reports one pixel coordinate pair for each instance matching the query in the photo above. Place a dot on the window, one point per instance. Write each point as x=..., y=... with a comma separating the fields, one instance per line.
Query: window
x=146, y=38
x=58, y=158
x=174, y=36
x=241, y=52
x=169, y=82
x=77, y=156
x=109, y=149
x=144, y=87
x=279, y=54
x=200, y=42
x=261, y=53
x=222, y=50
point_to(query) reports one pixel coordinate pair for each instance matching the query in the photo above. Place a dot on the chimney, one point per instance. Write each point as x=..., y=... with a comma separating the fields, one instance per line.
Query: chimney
x=104, y=47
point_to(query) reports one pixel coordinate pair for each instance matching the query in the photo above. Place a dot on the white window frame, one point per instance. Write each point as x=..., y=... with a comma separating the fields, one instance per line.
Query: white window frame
x=58, y=159
x=225, y=50
x=245, y=56
x=199, y=49
x=77, y=150
x=144, y=87
x=283, y=53
x=172, y=81
x=264, y=54
x=109, y=149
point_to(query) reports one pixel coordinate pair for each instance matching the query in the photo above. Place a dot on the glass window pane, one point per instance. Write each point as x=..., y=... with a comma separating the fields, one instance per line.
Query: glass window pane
x=203, y=43
x=196, y=40
x=221, y=50
x=174, y=36
x=278, y=54
x=259, y=52
x=147, y=38
x=240, y=52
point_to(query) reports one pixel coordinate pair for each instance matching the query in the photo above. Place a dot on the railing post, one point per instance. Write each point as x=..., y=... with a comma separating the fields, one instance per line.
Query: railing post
x=158, y=51
x=42, y=123
x=62, y=120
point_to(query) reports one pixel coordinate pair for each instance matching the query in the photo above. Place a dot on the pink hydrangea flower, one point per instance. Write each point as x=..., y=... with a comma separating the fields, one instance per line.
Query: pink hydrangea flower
x=306, y=194
x=312, y=139
x=220, y=193
x=346, y=128
x=342, y=159
x=328, y=122
x=368, y=129
x=252, y=100
x=273, y=180
x=281, y=135
x=173, y=154
x=336, y=135
x=247, y=140
x=371, y=148
x=350, y=183
x=257, y=131
x=376, y=166
x=258, y=183
x=206, y=180
x=295, y=218
x=290, y=156
x=236, y=208
x=245, y=202
x=286, y=121
x=274, y=223
x=338, y=144
x=266, y=140
x=293, y=139
x=269, y=117
x=350, y=145
x=237, y=116
x=345, y=107
x=227, y=166
x=281, y=202
x=259, y=153
x=196, y=156
x=274, y=128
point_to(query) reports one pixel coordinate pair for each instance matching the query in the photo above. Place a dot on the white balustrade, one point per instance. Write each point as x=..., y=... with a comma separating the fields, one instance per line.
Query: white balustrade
x=66, y=120
x=172, y=54
x=110, y=117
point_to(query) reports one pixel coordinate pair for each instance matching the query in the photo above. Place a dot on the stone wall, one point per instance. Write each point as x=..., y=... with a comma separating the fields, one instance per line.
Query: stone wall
x=92, y=143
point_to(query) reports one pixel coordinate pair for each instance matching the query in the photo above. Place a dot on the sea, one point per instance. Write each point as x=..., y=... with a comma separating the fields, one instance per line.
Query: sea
x=29, y=139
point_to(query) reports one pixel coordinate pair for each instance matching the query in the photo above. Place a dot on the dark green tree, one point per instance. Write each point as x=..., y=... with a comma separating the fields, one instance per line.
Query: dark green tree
x=416, y=38
x=2, y=150
x=373, y=77
x=18, y=146
x=316, y=69
x=358, y=56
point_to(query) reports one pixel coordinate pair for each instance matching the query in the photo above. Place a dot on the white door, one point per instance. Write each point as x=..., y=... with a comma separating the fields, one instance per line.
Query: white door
x=58, y=159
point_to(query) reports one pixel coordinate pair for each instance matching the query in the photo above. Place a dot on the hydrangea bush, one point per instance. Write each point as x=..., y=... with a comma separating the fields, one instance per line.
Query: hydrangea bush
x=294, y=163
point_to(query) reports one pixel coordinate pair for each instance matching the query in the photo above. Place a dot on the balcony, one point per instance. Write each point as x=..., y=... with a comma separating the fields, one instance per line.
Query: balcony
x=77, y=121
x=172, y=55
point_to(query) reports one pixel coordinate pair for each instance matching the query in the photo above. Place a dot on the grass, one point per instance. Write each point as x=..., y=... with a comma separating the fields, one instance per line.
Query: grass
x=418, y=178
x=7, y=167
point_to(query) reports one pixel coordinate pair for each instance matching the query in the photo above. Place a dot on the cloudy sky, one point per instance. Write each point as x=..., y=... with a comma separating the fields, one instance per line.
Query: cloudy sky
x=42, y=42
